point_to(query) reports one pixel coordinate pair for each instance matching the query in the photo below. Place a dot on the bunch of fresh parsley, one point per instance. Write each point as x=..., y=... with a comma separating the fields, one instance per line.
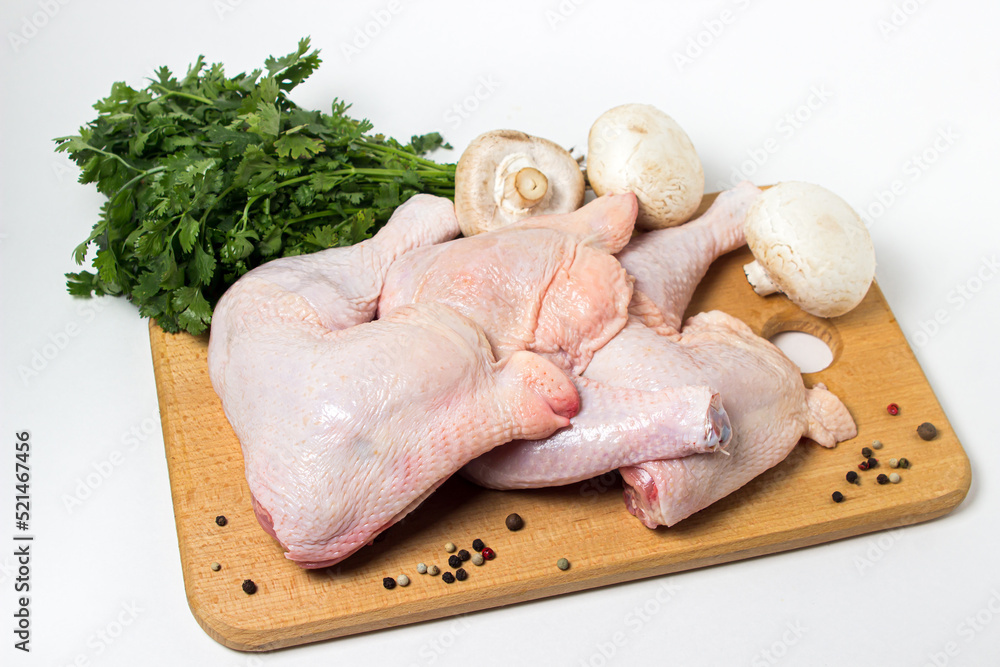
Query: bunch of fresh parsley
x=209, y=176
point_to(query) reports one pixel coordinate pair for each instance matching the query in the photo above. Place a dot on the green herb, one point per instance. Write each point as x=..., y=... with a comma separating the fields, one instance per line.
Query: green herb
x=209, y=176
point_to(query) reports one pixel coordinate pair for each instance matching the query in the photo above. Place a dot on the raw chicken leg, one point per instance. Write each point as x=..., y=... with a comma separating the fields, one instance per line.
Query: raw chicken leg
x=615, y=427
x=549, y=284
x=668, y=264
x=768, y=406
x=610, y=431
x=347, y=424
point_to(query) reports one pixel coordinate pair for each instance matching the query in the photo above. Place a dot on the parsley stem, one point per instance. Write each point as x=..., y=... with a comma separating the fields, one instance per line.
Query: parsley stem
x=167, y=93
x=119, y=158
x=132, y=180
x=409, y=156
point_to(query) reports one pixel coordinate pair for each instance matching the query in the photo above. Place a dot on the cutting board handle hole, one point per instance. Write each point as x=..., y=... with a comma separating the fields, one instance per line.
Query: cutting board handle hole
x=812, y=343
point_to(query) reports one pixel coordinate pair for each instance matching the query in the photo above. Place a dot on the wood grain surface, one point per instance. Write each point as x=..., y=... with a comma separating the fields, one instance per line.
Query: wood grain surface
x=787, y=507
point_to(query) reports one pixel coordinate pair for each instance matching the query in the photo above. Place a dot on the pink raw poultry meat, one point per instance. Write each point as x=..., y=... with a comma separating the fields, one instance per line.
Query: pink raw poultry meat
x=549, y=284
x=347, y=424
x=769, y=408
x=611, y=430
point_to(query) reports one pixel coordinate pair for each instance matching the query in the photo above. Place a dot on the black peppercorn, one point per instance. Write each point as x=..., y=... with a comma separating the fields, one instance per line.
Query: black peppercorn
x=852, y=477
x=872, y=462
x=249, y=587
x=464, y=555
x=477, y=544
x=454, y=561
x=514, y=522
x=927, y=431
x=221, y=520
x=448, y=578
x=461, y=574
x=838, y=497
x=389, y=583
x=882, y=479
x=866, y=452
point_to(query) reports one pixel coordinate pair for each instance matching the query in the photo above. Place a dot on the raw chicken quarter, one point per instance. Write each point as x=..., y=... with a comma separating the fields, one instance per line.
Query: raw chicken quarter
x=359, y=379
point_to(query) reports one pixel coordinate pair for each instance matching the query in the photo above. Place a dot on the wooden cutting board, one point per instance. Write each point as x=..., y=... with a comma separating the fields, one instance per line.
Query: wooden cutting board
x=789, y=506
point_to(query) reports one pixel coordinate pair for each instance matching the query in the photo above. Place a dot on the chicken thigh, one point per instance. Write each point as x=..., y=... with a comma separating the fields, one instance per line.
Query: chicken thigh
x=769, y=408
x=347, y=424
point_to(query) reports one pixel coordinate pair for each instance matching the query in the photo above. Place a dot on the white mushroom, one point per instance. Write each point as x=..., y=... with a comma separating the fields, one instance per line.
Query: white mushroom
x=507, y=175
x=811, y=245
x=638, y=148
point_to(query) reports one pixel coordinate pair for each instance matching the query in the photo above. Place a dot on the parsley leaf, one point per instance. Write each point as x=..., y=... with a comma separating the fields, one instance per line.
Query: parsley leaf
x=208, y=176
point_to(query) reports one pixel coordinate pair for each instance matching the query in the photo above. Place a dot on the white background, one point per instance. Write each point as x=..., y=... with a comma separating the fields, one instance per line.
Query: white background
x=889, y=81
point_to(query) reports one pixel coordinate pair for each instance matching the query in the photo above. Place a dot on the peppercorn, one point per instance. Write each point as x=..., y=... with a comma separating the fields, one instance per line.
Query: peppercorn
x=927, y=431
x=892, y=409
x=454, y=561
x=215, y=567
x=872, y=462
x=421, y=568
x=403, y=580
x=866, y=452
x=433, y=570
x=249, y=587
x=489, y=554
x=852, y=477
x=895, y=478
x=893, y=463
x=477, y=544
x=562, y=564
x=389, y=583
x=838, y=497
x=863, y=465
x=448, y=578
x=477, y=559
x=450, y=547
x=876, y=444
x=904, y=463
x=882, y=479
x=221, y=520
x=464, y=555
x=514, y=522
x=461, y=574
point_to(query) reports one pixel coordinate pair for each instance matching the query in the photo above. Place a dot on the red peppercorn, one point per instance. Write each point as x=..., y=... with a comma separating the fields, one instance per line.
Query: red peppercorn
x=892, y=409
x=489, y=554
x=863, y=465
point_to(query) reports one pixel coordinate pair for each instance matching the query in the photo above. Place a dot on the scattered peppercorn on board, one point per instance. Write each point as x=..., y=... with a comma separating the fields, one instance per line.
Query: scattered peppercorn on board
x=789, y=506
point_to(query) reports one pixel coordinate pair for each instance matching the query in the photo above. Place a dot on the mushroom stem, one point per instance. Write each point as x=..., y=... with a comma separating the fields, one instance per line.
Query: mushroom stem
x=759, y=279
x=528, y=185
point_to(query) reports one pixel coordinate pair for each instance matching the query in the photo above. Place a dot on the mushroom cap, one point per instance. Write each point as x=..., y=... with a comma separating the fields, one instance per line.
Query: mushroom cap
x=638, y=148
x=813, y=246
x=480, y=202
